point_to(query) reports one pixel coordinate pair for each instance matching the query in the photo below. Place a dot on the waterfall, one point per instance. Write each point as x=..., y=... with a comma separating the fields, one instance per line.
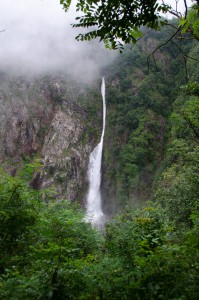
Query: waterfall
x=94, y=211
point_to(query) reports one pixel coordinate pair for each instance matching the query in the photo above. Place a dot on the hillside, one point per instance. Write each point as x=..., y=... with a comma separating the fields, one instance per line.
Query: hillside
x=144, y=93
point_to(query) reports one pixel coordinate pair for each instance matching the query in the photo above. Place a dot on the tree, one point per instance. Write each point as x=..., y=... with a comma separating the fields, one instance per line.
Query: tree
x=119, y=21
x=45, y=249
x=150, y=263
x=18, y=214
x=191, y=21
x=178, y=188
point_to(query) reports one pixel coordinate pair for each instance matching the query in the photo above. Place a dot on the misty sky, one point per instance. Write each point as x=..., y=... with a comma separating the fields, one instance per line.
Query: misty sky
x=38, y=37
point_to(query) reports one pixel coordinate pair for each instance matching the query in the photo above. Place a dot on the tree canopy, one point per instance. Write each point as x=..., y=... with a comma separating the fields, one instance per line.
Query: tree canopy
x=119, y=21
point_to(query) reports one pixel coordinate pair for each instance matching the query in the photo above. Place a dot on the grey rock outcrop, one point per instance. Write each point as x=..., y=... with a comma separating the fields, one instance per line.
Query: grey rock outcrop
x=41, y=118
x=66, y=155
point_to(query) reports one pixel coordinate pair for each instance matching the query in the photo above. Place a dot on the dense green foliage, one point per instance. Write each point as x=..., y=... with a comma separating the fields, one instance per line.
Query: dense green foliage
x=49, y=252
x=44, y=247
x=145, y=103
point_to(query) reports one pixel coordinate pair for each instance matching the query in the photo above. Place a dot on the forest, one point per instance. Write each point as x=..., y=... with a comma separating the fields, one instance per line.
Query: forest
x=149, y=248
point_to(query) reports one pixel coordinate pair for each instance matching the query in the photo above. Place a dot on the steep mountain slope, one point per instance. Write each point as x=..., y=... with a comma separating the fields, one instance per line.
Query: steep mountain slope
x=140, y=95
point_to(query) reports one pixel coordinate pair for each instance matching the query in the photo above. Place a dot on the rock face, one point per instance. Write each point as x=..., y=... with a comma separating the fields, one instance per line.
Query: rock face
x=66, y=154
x=41, y=118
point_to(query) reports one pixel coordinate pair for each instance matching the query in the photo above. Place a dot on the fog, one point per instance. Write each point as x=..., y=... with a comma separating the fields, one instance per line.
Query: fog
x=37, y=37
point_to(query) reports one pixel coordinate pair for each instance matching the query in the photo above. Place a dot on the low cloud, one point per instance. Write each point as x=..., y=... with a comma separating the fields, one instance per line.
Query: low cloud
x=38, y=38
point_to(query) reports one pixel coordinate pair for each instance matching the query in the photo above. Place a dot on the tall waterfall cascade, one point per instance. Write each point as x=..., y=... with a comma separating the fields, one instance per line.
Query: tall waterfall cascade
x=94, y=212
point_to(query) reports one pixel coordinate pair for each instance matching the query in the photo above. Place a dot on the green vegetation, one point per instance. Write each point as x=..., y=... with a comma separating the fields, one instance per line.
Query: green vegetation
x=148, y=107
x=44, y=247
x=49, y=252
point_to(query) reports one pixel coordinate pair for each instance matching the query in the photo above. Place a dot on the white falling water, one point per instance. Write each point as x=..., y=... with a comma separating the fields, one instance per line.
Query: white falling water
x=94, y=211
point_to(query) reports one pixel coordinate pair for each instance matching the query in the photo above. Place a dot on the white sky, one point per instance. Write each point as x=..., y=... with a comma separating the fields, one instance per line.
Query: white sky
x=180, y=4
x=38, y=36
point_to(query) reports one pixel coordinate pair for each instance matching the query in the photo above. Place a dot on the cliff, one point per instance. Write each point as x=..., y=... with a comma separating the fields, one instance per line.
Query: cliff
x=43, y=118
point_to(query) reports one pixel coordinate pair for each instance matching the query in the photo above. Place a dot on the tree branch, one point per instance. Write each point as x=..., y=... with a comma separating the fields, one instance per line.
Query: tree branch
x=180, y=49
x=184, y=58
x=186, y=9
x=160, y=46
x=184, y=55
x=175, y=13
